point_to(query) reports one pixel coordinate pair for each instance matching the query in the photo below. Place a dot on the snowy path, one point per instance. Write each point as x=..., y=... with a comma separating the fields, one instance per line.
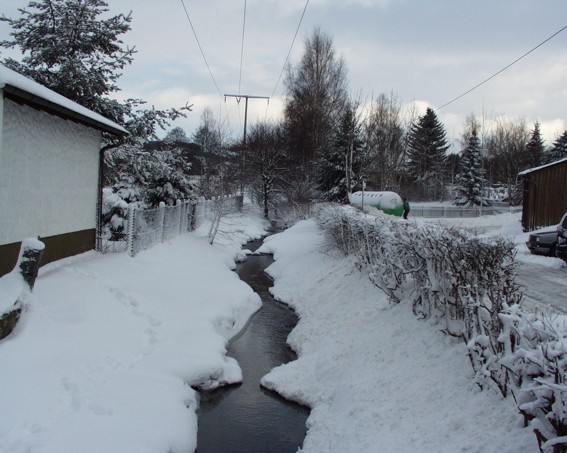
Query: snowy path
x=377, y=379
x=543, y=287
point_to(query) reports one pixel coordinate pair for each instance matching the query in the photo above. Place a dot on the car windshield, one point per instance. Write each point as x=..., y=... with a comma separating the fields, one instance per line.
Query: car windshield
x=564, y=223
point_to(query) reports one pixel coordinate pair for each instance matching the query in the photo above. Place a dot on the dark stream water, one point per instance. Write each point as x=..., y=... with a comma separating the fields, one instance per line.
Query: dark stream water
x=246, y=417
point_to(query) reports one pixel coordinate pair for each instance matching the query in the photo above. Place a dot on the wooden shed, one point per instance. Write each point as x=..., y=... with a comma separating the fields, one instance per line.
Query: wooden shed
x=49, y=169
x=545, y=195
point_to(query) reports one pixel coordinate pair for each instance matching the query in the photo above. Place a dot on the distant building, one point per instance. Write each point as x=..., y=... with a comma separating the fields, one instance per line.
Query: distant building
x=49, y=170
x=545, y=195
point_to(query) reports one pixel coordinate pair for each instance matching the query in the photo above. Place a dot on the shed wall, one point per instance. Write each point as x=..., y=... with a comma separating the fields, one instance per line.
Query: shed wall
x=48, y=174
x=545, y=196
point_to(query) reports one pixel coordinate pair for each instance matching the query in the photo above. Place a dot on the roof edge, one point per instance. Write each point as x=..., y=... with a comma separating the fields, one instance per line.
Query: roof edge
x=22, y=96
x=541, y=167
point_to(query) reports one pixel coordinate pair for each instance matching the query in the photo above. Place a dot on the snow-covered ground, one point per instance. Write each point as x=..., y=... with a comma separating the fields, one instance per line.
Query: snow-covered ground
x=105, y=355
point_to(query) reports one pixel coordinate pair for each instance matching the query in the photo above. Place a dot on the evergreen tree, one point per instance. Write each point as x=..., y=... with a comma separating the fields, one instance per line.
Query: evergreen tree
x=148, y=178
x=559, y=149
x=426, y=154
x=535, y=149
x=339, y=166
x=470, y=179
x=67, y=47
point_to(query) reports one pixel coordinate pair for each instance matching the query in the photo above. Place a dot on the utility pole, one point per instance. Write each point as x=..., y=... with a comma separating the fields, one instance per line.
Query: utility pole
x=238, y=98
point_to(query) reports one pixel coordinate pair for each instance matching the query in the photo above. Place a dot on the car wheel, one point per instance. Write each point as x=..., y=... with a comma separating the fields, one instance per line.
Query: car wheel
x=552, y=251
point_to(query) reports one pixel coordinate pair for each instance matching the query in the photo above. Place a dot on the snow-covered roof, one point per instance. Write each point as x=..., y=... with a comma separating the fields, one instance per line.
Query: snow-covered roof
x=531, y=170
x=29, y=91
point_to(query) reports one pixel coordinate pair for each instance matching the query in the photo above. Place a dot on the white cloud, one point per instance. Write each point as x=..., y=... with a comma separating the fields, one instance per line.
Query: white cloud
x=552, y=129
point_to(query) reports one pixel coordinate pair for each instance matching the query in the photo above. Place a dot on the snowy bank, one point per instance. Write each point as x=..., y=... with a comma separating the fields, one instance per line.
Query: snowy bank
x=376, y=378
x=106, y=354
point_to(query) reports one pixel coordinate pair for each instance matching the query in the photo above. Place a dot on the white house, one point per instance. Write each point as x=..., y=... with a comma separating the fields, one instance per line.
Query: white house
x=49, y=169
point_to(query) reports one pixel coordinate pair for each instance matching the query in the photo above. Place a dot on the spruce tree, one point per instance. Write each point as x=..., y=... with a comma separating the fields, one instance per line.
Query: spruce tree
x=470, y=179
x=559, y=149
x=535, y=149
x=340, y=163
x=68, y=46
x=427, y=146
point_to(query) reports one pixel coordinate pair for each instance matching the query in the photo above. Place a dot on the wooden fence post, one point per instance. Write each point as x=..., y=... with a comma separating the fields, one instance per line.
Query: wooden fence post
x=31, y=251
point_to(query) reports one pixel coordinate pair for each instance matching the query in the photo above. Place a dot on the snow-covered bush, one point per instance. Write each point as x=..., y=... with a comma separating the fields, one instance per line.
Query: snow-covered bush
x=114, y=215
x=535, y=359
x=468, y=286
x=155, y=177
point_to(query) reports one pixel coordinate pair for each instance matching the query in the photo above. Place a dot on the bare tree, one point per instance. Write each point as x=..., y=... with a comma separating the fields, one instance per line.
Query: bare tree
x=316, y=97
x=385, y=137
x=266, y=165
x=217, y=166
x=506, y=151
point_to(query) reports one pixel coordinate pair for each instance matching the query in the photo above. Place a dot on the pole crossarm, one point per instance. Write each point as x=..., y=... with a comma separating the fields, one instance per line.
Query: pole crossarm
x=245, y=96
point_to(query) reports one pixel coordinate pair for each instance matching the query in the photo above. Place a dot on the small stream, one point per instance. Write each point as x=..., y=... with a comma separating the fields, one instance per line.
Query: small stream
x=246, y=417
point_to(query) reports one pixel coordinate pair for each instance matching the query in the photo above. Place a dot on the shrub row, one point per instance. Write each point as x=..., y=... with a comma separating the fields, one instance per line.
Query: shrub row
x=467, y=284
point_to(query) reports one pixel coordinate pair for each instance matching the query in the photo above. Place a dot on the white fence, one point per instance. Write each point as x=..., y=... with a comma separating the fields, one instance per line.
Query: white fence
x=456, y=212
x=147, y=227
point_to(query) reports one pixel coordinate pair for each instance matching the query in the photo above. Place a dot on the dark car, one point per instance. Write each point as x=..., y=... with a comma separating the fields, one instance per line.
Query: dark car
x=544, y=243
x=561, y=251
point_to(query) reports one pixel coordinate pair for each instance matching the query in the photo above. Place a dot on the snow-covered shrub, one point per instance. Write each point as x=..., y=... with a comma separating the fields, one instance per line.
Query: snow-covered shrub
x=535, y=359
x=159, y=176
x=467, y=285
x=114, y=213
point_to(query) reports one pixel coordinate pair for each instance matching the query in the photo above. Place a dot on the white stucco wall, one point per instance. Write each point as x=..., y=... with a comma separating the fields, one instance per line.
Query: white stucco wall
x=48, y=174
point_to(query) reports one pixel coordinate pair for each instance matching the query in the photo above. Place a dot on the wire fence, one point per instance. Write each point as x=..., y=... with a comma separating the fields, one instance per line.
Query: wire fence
x=147, y=227
x=457, y=212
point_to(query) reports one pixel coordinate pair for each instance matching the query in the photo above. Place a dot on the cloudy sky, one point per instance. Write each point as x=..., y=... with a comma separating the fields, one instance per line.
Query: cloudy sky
x=425, y=52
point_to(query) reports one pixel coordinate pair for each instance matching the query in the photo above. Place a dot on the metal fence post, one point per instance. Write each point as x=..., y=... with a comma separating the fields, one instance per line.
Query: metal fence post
x=162, y=218
x=179, y=212
x=130, y=245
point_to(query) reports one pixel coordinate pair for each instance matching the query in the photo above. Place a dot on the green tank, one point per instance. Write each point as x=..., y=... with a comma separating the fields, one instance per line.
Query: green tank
x=388, y=202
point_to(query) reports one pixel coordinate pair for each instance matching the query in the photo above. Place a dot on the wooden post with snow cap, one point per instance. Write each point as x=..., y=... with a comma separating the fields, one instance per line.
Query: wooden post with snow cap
x=31, y=252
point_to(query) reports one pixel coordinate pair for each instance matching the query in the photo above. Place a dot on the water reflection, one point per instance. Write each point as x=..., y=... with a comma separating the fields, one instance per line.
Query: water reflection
x=246, y=417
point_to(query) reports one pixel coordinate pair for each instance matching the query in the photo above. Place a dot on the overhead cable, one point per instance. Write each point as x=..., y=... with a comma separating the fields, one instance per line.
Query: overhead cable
x=200, y=48
x=502, y=70
x=242, y=48
x=290, y=49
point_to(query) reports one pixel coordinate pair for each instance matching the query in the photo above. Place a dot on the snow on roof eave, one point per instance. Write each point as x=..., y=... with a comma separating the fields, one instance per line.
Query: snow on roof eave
x=531, y=170
x=23, y=89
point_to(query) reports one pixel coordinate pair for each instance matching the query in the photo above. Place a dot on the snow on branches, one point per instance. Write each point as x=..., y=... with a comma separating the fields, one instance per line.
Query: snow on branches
x=467, y=285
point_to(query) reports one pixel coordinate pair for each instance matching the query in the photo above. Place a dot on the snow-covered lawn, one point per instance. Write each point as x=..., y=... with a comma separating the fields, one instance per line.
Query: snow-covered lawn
x=104, y=358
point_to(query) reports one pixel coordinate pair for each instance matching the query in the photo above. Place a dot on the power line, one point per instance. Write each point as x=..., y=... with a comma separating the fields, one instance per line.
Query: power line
x=200, y=48
x=242, y=48
x=290, y=49
x=502, y=70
